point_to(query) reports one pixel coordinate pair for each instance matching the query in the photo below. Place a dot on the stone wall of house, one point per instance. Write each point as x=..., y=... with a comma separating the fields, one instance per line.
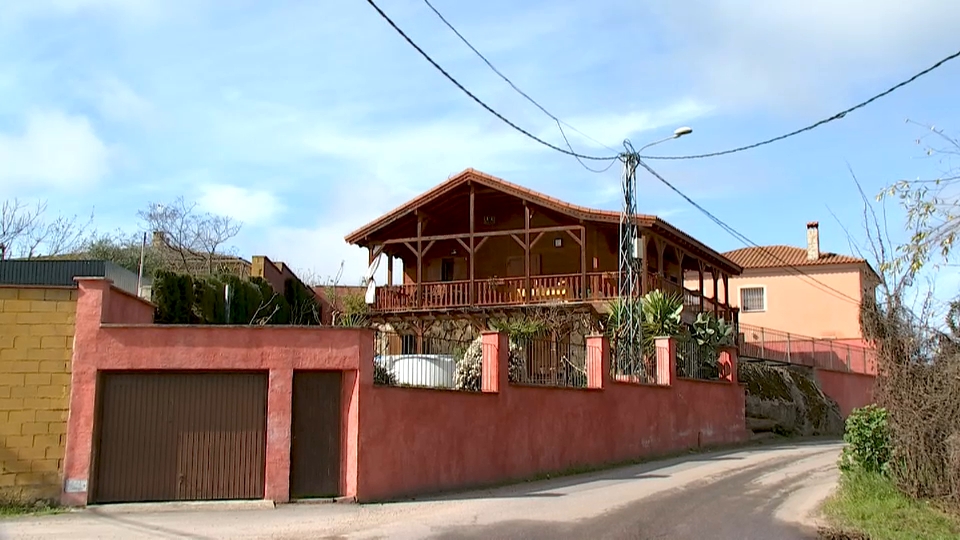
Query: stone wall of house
x=36, y=345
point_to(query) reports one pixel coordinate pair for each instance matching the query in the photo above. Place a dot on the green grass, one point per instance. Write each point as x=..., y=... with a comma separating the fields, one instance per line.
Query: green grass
x=13, y=509
x=869, y=503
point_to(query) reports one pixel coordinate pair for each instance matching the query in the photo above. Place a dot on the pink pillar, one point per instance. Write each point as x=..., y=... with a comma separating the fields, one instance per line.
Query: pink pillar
x=598, y=360
x=495, y=351
x=350, y=445
x=666, y=361
x=279, y=414
x=93, y=294
x=728, y=364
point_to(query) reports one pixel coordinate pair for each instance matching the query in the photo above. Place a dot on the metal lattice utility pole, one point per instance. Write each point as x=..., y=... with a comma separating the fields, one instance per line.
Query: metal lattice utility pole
x=627, y=350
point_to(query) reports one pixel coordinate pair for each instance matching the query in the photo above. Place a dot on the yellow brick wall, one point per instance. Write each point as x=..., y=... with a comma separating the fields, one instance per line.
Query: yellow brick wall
x=36, y=345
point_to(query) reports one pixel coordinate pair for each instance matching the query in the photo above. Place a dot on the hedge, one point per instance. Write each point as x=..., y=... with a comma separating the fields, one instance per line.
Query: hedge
x=185, y=299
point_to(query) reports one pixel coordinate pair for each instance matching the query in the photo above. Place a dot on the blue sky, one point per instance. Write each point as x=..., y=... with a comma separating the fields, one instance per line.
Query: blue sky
x=305, y=119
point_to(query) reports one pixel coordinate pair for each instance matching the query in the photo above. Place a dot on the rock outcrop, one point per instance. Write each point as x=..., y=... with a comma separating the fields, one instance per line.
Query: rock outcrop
x=787, y=401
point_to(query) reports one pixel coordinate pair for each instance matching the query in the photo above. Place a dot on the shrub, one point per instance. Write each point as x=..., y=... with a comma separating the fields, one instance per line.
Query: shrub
x=868, y=440
x=183, y=299
x=174, y=296
x=383, y=376
x=469, y=369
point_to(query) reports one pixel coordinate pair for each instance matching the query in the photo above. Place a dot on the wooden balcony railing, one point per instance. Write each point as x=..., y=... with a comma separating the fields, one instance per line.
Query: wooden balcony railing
x=599, y=286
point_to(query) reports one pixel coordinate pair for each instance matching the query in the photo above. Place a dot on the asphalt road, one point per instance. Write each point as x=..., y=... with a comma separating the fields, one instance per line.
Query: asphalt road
x=762, y=492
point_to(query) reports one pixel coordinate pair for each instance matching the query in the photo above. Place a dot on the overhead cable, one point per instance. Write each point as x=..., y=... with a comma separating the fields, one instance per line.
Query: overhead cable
x=750, y=243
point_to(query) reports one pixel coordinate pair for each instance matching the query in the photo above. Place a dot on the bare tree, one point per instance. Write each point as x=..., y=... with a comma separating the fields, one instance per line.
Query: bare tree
x=25, y=233
x=191, y=240
x=918, y=364
x=348, y=308
x=932, y=204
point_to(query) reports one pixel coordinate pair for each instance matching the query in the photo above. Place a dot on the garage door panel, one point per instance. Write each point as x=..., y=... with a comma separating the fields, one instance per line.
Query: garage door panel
x=181, y=436
x=315, y=433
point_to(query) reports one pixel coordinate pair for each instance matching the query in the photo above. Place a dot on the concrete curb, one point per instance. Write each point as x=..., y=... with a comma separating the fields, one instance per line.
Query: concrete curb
x=179, y=506
x=329, y=500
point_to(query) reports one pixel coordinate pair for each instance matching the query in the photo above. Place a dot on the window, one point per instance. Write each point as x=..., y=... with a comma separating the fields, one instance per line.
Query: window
x=753, y=299
x=408, y=344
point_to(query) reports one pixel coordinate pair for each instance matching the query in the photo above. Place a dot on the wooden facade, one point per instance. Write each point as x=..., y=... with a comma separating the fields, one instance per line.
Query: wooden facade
x=478, y=242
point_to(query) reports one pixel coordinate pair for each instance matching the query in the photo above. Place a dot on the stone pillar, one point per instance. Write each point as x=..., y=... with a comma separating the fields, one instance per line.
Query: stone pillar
x=666, y=361
x=598, y=361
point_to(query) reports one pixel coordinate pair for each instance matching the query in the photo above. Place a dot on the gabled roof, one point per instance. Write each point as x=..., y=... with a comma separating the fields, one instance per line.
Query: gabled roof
x=784, y=256
x=580, y=212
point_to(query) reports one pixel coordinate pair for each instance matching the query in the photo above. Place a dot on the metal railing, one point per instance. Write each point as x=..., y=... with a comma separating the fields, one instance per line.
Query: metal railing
x=548, y=362
x=823, y=353
x=427, y=362
x=697, y=362
x=629, y=362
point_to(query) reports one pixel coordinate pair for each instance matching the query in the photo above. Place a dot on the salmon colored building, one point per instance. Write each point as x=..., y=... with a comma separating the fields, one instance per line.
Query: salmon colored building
x=801, y=291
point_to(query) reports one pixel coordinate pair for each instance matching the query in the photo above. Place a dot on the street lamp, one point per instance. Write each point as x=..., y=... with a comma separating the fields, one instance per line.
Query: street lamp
x=629, y=275
x=677, y=133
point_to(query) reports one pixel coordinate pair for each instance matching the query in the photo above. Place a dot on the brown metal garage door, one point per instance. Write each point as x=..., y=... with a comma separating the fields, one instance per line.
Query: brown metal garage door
x=315, y=431
x=180, y=436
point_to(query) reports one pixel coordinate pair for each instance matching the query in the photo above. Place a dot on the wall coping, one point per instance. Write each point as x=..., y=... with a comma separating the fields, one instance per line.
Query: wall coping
x=708, y=381
x=34, y=286
x=544, y=387
x=237, y=327
x=614, y=380
x=113, y=288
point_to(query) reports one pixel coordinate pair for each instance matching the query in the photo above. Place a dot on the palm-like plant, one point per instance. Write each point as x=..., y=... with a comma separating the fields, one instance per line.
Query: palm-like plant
x=657, y=315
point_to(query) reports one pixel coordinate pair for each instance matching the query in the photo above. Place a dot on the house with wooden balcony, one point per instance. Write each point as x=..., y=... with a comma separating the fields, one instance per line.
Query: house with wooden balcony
x=477, y=246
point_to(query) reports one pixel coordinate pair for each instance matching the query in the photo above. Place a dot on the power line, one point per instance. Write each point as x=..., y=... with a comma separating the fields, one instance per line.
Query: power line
x=750, y=243
x=580, y=156
x=815, y=125
x=506, y=79
x=478, y=100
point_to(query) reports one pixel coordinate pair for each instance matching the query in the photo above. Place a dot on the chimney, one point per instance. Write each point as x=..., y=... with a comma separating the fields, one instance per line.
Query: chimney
x=158, y=239
x=813, y=241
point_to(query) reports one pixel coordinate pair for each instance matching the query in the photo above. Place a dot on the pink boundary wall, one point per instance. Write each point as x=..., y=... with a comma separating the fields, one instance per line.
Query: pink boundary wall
x=103, y=344
x=403, y=441
x=415, y=441
x=850, y=390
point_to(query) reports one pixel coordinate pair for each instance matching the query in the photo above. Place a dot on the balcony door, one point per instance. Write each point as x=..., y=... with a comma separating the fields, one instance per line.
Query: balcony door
x=446, y=269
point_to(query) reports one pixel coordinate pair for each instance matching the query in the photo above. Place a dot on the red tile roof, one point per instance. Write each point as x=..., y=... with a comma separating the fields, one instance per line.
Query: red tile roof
x=588, y=214
x=783, y=256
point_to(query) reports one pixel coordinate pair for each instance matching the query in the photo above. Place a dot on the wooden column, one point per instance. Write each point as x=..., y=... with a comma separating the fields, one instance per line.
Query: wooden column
x=526, y=249
x=716, y=290
x=680, y=257
x=700, y=288
x=660, y=249
x=726, y=293
x=473, y=249
x=418, y=328
x=389, y=270
x=583, y=262
x=644, y=265
x=419, y=260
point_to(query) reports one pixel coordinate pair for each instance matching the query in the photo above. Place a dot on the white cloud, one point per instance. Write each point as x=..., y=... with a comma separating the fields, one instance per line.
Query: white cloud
x=613, y=128
x=117, y=101
x=54, y=149
x=803, y=51
x=321, y=249
x=138, y=9
x=250, y=206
